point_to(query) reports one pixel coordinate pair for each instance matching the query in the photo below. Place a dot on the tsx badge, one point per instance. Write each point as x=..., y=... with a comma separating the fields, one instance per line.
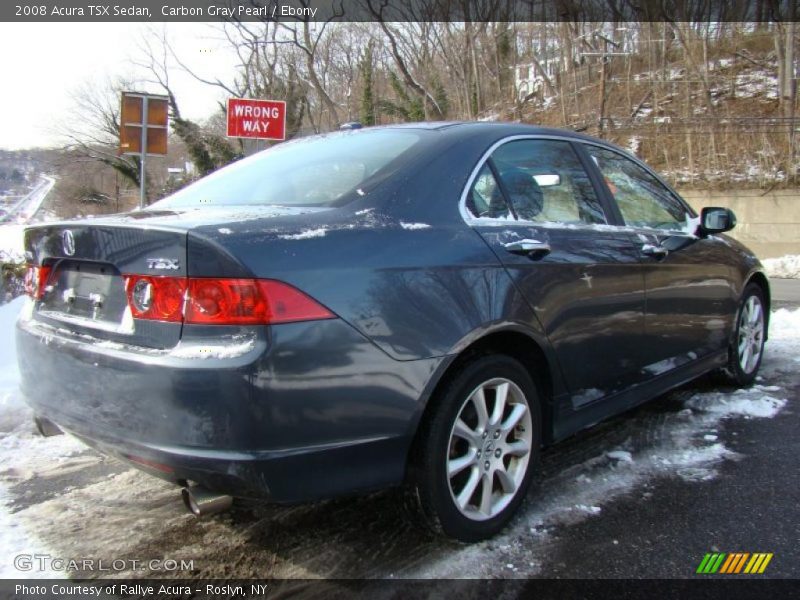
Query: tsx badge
x=168, y=264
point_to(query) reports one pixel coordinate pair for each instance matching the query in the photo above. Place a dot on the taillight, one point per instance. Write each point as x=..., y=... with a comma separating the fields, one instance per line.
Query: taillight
x=36, y=280
x=220, y=301
x=156, y=298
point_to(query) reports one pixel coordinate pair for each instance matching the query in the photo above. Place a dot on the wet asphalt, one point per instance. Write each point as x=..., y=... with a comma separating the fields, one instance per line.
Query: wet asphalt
x=753, y=505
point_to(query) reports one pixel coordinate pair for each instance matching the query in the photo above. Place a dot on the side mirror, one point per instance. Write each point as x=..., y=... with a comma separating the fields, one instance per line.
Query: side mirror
x=714, y=219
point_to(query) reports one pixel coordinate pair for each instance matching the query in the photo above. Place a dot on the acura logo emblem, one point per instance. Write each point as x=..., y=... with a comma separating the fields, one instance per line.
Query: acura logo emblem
x=68, y=242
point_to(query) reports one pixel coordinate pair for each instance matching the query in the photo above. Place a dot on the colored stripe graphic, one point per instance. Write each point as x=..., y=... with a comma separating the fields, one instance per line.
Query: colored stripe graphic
x=758, y=564
x=740, y=564
x=733, y=563
x=711, y=562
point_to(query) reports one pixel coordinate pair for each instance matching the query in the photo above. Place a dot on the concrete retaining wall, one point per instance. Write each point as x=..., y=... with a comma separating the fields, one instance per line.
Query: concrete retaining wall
x=769, y=224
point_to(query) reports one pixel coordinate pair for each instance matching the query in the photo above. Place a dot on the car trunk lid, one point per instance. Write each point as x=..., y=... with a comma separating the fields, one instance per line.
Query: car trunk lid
x=84, y=287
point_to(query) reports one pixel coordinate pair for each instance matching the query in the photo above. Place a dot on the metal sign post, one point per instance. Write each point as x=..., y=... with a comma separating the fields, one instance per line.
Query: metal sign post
x=143, y=131
x=143, y=171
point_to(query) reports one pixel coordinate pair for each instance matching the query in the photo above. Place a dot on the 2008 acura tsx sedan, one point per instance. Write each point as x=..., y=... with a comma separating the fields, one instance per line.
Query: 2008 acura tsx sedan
x=422, y=305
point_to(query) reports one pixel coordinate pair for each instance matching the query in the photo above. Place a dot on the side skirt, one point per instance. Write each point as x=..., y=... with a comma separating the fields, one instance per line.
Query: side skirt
x=570, y=423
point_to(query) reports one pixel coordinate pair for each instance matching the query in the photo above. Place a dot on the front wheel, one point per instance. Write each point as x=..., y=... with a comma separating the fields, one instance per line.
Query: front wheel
x=475, y=455
x=747, y=348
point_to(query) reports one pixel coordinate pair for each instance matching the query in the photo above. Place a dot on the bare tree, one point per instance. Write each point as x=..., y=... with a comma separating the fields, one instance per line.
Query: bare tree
x=92, y=132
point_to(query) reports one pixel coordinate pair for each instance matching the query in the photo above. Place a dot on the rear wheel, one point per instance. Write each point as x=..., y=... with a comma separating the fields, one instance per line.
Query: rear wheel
x=475, y=455
x=747, y=349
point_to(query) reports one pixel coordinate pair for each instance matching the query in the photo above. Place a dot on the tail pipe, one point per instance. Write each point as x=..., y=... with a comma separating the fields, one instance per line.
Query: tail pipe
x=46, y=427
x=202, y=502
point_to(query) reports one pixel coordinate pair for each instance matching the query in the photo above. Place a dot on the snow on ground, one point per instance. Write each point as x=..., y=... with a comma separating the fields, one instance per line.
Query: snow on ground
x=786, y=267
x=12, y=248
x=20, y=444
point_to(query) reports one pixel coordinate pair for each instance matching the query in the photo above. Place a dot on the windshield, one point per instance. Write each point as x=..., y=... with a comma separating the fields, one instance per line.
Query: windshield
x=326, y=170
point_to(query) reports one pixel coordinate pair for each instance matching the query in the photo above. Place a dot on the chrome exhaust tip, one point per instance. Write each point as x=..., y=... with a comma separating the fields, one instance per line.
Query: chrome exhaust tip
x=202, y=502
x=46, y=427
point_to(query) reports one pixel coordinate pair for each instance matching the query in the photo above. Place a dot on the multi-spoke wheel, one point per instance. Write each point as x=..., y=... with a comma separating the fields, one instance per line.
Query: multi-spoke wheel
x=474, y=457
x=489, y=450
x=750, y=340
x=747, y=349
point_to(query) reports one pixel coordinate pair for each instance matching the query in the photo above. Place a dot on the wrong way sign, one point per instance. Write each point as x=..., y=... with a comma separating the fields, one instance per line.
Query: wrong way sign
x=262, y=119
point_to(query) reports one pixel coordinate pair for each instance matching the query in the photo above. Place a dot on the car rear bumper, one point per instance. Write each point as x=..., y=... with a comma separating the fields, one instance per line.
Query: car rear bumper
x=305, y=411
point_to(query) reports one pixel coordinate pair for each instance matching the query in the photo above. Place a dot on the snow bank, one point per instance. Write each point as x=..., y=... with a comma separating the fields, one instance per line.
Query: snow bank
x=12, y=248
x=785, y=267
x=22, y=451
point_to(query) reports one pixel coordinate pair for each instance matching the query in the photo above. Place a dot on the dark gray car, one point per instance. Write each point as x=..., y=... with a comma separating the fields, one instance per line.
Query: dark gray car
x=422, y=305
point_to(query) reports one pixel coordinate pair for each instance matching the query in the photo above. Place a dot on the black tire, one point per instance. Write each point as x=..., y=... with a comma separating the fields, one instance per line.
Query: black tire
x=734, y=372
x=429, y=487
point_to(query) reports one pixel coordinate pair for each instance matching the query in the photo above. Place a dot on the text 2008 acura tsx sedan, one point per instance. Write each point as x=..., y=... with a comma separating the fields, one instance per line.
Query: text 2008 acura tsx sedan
x=422, y=305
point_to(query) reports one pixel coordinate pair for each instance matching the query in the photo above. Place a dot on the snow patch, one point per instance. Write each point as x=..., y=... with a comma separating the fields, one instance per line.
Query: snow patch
x=746, y=402
x=785, y=267
x=225, y=231
x=620, y=455
x=12, y=246
x=405, y=225
x=306, y=235
x=206, y=351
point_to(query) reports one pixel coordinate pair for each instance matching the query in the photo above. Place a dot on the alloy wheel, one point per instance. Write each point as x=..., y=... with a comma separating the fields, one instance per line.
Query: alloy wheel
x=750, y=343
x=489, y=449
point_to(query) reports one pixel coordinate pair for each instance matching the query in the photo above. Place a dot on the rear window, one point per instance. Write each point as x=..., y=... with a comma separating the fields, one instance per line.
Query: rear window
x=327, y=170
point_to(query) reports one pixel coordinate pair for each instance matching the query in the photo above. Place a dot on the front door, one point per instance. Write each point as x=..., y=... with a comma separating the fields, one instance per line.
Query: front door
x=687, y=278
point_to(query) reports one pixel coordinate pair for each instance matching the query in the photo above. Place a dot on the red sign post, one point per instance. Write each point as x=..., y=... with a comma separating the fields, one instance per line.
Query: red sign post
x=262, y=119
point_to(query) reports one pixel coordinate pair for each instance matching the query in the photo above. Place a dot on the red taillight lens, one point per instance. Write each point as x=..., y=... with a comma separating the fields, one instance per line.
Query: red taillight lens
x=220, y=301
x=228, y=301
x=249, y=302
x=287, y=304
x=36, y=281
x=156, y=298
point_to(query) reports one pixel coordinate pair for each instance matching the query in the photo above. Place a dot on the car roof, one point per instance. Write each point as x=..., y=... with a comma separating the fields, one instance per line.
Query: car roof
x=492, y=129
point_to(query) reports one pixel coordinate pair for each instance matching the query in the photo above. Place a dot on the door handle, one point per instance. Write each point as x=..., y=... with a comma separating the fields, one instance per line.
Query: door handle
x=529, y=248
x=655, y=251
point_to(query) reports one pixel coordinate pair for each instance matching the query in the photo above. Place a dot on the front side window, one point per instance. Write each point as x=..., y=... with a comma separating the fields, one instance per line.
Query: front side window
x=642, y=199
x=545, y=182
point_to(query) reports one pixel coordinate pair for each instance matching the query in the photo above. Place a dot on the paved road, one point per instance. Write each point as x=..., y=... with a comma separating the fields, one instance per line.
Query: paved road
x=785, y=291
x=664, y=529
x=27, y=207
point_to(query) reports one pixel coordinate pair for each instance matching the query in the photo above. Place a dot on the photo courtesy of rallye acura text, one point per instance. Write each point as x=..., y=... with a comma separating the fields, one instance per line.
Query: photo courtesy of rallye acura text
x=422, y=306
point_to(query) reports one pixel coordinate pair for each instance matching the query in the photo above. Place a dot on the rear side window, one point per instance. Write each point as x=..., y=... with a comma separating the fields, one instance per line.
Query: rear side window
x=545, y=182
x=319, y=171
x=642, y=199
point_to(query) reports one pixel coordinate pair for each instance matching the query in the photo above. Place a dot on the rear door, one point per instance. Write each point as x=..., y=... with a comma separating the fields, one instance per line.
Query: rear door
x=687, y=278
x=536, y=206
